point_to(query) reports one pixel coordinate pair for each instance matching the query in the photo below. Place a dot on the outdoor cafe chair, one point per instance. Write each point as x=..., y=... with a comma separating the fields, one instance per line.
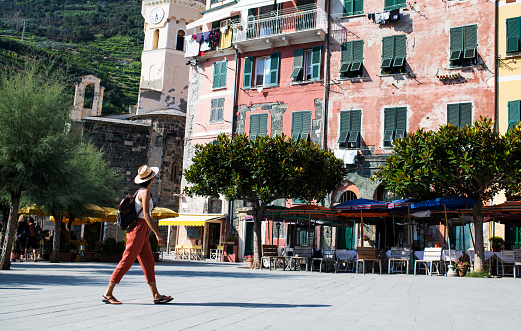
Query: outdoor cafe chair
x=488, y=259
x=195, y=252
x=507, y=260
x=327, y=260
x=345, y=260
x=368, y=254
x=431, y=257
x=400, y=255
x=217, y=253
x=517, y=260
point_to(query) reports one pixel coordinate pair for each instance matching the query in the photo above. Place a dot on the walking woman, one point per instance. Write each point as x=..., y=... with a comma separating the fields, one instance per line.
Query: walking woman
x=138, y=245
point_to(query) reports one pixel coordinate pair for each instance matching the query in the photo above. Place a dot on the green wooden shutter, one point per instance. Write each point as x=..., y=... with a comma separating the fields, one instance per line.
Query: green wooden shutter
x=513, y=34
x=315, y=62
x=254, y=126
x=358, y=54
x=356, y=123
x=248, y=72
x=213, y=114
x=358, y=7
x=514, y=115
x=389, y=4
x=387, y=51
x=224, y=71
x=274, y=69
x=216, y=75
x=306, y=125
x=263, y=125
x=389, y=124
x=298, y=61
x=401, y=122
x=465, y=114
x=456, y=43
x=453, y=114
x=400, y=50
x=345, y=126
x=348, y=7
x=220, y=109
x=471, y=41
x=401, y=3
x=296, y=125
x=345, y=57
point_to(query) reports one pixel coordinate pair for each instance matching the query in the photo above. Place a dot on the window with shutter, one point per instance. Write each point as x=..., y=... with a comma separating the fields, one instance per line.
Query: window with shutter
x=298, y=62
x=263, y=125
x=395, y=124
x=513, y=34
x=459, y=114
x=306, y=125
x=248, y=71
x=351, y=59
x=315, y=62
x=353, y=7
x=216, y=75
x=514, y=113
x=213, y=114
x=306, y=64
x=263, y=72
x=394, y=52
x=254, y=126
x=224, y=71
x=356, y=123
x=394, y=4
x=463, y=45
x=296, y=125
x=220, y=110
x=345, y=126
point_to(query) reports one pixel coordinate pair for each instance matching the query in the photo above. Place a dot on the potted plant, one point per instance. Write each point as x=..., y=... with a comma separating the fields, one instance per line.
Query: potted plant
x=428, y=236
x=91, y=235
x=65, y=249
x=496, y=243
x=230, y=239
x=365, y=237
x=111, y=250
x=461, y=267
x=249, y=259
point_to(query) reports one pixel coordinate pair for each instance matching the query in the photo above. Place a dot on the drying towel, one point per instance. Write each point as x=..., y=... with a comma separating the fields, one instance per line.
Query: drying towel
x=192, y=47
x=205, y=46
x=349, y=157
x=199, y=37
x=206, y=35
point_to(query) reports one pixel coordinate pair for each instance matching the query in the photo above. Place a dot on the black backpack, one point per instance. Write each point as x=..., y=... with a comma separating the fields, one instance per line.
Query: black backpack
x=127, y=217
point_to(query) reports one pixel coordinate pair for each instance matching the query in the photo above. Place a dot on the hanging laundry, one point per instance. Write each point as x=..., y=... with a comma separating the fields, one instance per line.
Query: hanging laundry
x=192, y=47
x=385, y=15
x=225, y=39
x=206, y=35
x=224, y=29
x=199, y=37
x=205, y=46
x=378, y=18
x=214, y=38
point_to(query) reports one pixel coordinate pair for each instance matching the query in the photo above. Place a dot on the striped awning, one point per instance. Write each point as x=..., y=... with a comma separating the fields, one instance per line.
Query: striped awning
x=192, y=219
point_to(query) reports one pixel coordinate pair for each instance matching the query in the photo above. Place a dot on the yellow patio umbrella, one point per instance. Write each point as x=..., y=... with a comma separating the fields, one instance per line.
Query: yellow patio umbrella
x=32, y=210
x=160, y=213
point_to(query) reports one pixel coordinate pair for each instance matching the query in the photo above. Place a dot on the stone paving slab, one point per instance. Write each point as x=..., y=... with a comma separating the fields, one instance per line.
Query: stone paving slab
x=216, y=296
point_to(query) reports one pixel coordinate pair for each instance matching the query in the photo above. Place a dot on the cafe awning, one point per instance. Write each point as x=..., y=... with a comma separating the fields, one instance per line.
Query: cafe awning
x=192, y=219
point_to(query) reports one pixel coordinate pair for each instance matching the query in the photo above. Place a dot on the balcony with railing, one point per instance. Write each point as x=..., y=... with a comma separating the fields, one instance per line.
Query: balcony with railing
x=281, y=28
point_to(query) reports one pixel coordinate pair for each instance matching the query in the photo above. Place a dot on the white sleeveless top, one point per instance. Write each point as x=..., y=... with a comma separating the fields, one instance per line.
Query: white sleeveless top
x=139, y=206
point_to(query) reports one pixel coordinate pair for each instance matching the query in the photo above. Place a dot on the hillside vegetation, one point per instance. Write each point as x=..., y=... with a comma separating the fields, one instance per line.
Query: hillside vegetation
x=92, y=37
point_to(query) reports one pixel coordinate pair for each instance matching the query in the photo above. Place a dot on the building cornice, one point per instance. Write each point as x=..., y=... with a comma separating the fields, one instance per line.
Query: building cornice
x=187, y=3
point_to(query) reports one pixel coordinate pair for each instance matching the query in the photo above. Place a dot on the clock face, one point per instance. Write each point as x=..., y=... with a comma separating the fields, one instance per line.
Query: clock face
x=157, y=15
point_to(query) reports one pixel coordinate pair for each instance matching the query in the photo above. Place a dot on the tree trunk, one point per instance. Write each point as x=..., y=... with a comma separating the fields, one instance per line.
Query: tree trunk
x=258, y=213
x=5, y=212
x=55, y=256
x=10, y=230
x=478, y=228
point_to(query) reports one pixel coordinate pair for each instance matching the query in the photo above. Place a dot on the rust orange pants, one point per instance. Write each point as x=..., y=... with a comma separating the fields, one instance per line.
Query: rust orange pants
x=138, y=247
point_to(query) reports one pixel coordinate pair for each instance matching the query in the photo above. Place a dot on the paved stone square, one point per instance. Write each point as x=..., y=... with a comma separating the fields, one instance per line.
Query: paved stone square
x=216, y=296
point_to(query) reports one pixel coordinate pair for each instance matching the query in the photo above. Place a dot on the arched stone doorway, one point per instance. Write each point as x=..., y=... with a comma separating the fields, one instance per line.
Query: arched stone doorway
x=88, y=99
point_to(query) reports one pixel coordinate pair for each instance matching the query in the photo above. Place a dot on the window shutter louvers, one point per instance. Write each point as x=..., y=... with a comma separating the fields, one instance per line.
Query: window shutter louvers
x=387, y=51
x=453, y=114
x=298, y=62
x=254, y=126
x=263, y=125
x=345, y=57
x=358, y=7
x=514, y=115
x=216, y=74
x=274, y=69
x=465, y=110
x=348, y=7
x=224, y=71
x=401, y=122
x=389, y=4
x=471, y=41
x=296, y=125
x=356, y=123
x=400, y=50
x=213, y=113
x=315, y=62
x=345, y=126
x=248, y=71
x=389, y=124
x=220, y=109
x=513, y=34
x=358, y=54
x=306, y=125
x=456, y=43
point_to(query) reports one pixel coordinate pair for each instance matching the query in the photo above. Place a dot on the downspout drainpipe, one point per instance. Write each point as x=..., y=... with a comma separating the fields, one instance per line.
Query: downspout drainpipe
x=234, y=114
x=327, y=55
x=496, y=70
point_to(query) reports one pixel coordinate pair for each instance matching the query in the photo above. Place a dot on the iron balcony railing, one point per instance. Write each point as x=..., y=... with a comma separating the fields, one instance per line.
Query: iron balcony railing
x=279, y=25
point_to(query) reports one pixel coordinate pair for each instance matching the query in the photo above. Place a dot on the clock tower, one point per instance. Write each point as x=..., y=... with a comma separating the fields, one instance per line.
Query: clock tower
x=164, y=73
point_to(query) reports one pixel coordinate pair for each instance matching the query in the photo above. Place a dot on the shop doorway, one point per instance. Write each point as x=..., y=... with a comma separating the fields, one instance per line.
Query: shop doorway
x=248, y=241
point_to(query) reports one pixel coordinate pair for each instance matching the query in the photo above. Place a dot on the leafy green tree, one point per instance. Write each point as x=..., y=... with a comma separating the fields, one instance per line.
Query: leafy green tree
x=261, y=171
x=474, y=161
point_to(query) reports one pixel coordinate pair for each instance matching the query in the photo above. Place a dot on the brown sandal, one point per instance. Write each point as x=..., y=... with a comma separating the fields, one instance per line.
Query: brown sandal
x=163, y=299
x=111, y=300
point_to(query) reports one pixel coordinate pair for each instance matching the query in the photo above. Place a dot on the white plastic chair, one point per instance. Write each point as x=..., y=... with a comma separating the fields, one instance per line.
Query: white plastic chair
x=431, y=256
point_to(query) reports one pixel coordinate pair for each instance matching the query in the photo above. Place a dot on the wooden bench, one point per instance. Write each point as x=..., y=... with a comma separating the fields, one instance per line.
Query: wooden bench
x=401, y=255
x=431, y=256
x=367, y=254
x=270, y=253
x=301, y=255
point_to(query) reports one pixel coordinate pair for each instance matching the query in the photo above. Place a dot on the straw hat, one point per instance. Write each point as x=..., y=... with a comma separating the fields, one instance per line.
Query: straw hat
x=145, y=173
